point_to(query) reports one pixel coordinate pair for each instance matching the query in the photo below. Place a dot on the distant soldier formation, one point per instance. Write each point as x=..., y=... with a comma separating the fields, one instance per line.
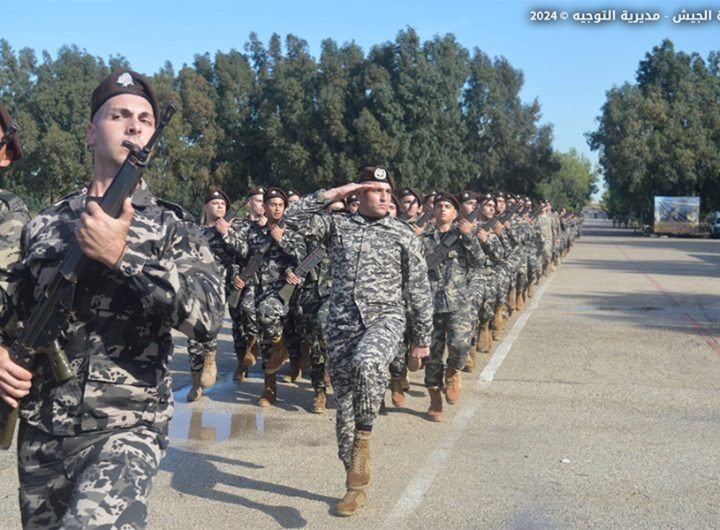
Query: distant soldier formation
x=357, y=285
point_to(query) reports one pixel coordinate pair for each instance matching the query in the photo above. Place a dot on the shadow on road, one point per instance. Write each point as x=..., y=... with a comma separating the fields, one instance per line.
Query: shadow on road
x=197, y=474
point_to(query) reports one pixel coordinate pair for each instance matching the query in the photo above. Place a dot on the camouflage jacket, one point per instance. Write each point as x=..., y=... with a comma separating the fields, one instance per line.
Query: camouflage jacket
x=370, y=263
x=450, y=281
x=281, y=257
x=118, y=334
x=13, y=216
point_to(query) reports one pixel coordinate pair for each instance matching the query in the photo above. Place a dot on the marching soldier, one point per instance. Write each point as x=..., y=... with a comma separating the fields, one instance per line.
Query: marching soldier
x=88, y=448
x=372, y=257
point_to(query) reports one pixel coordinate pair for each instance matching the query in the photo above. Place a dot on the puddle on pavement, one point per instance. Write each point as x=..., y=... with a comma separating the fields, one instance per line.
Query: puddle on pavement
x=215, y=426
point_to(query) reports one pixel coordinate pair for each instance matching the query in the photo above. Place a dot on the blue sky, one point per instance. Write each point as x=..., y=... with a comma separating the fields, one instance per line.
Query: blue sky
x=568, y=66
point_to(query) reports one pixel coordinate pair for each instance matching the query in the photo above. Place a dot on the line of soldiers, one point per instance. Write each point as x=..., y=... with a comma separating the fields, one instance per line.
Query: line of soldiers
x=485, y=252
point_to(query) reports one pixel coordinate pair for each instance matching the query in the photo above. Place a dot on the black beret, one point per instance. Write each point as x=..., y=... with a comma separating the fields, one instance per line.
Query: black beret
x=467, y=195
x=272, y=192
x=218, y=194
x=257, y=190
x=351, y=199
x=447, y=197
x=485, y=197
x=123, y=82
x=376, y=174
x=290, y=193
x=14, y=143
x=410, y=192
x=500, y=195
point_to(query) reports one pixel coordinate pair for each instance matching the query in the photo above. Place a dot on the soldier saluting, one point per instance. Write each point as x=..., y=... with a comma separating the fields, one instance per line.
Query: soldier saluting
x=89, y=448
x=373, y=259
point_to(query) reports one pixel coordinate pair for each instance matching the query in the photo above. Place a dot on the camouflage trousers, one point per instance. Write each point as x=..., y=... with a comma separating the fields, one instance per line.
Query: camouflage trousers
x=521, y=273
x=197, y=351
x=503, y=275
x=244, y=321
x=456, y=330
x=271, y=314
x=398, y=366
x=491, y=295
x=532, y=266
x=306, y=326
x=93, y=480
x=358, y=361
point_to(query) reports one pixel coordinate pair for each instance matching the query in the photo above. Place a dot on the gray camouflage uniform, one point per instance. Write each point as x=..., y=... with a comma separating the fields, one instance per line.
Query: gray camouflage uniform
x=371, y=260
x=89, y=448
x=455, y=317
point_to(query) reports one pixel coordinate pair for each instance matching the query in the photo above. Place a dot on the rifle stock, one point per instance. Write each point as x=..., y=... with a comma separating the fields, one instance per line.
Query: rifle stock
x=49, y=315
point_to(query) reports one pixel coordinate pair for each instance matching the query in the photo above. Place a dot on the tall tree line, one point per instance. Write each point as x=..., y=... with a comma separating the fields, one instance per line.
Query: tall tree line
x=661, y=134
x=438, y=115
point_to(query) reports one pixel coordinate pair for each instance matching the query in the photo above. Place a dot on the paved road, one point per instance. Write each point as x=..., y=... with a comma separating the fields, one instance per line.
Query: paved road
x=597, y=410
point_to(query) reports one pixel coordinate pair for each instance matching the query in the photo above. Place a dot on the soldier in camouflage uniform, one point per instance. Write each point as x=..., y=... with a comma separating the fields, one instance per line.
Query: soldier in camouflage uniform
x=285, y=250
x=454, y=316
x=13, y=212
x=372, y=257
x=241, y=300
x=547, y=236
x=202, y=355
x=89, y=448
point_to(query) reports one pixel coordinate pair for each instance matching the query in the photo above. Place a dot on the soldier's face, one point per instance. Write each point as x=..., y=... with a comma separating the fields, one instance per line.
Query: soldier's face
x=122, y=117
x=374, y=201
x=468, y=206
x=488, y=209
x=354, y=206
x=445, y=212
x=293, y=198
x=410, y=205
x=256, y=205
x=275, y=208
x=392, y=209
x=215, y=209
x=500, y=205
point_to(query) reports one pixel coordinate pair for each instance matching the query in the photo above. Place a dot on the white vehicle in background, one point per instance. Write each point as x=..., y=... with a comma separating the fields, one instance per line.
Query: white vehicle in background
x=715, y=225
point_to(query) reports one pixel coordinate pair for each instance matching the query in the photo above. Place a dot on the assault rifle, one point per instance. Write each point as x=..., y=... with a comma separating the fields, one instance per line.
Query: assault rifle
x=450, y=238
x=251, y=267
x=49, y=316
x=11, y=130
x=305, y=266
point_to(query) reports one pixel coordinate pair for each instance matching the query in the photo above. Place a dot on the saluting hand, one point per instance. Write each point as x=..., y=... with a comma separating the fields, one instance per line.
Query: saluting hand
x=14, y=379
x=339, y=193
x=102, y=237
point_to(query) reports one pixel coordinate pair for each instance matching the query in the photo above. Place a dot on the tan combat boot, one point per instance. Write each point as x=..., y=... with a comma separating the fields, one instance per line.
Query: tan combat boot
x=196, y=390
x=278, y=355
x=471, y=360
x=531, y=289
x=484, y=343
x=397, y=393
x=498, y=323
x=511, y=300
x=246, y=360
x=269, y=393
x=520, y=301
x=358, y=477
x=435, y=412
x=208, y=375
x=453, y=385
x=320, y=402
